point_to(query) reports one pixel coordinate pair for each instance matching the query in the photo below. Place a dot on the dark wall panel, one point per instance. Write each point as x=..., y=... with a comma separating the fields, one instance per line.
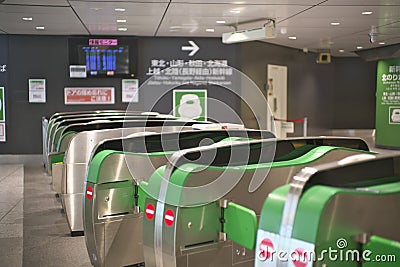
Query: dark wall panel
x=354, y=94
x=47, y=57
x=309, y=84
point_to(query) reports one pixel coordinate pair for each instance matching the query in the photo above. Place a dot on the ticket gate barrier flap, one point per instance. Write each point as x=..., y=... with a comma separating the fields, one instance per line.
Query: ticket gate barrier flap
x=184, y=239
x=240, y=225
x=385, y=247
x=360, y=198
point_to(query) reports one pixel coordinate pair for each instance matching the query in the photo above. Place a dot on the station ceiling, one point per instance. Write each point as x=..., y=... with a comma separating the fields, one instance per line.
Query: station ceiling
x=342, y=26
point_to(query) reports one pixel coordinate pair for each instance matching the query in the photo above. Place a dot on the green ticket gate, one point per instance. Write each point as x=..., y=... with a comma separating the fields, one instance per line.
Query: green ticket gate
x=66, y=133
x=58, y=128
x=69, y=182
x=341, y=214
x=63, y=120
x=57, y=117
x=191, y=208
x=112, y=219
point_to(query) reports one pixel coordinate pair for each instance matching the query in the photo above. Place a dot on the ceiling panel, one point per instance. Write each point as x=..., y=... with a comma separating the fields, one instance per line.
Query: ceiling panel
x=232, y=11
x=361, y=2
x=252, y=2
x=56, y=20
x=142, y=30
x=85, y=9
x=37, y=2
x=308, y=20
x=101, y=17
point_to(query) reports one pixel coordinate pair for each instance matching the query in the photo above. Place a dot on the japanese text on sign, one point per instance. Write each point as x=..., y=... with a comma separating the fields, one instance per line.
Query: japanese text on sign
x=176, y=71
x=101, y=95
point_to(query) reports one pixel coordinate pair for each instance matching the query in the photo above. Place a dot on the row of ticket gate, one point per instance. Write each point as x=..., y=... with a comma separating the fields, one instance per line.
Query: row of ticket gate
x=155, y=190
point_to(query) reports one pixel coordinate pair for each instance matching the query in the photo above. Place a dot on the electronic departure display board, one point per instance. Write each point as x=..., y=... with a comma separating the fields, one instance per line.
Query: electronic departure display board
x=104, y=57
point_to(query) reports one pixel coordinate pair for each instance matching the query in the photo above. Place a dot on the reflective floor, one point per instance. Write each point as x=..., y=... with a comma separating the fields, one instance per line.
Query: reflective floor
x=33, y=229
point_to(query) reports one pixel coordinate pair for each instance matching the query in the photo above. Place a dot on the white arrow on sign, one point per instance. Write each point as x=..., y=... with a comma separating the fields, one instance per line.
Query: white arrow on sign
x=194, y=48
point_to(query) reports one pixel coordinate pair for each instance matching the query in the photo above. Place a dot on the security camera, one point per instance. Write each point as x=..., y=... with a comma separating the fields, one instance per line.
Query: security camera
x=372, y=34
x=305, y=50
x=371, y=37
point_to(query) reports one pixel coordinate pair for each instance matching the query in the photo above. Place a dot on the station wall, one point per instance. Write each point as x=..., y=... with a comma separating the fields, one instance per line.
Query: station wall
x=314, y=90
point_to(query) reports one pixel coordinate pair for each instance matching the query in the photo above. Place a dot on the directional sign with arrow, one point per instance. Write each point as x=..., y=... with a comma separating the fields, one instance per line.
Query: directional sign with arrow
x=193, y=48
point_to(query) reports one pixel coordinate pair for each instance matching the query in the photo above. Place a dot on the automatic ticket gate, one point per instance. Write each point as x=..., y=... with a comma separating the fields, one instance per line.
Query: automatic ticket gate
x=76, y=114
x=345, y=213
x=112, y=219
x=69, y=175
x=59, y=127
x=65, y=133
x=55, y=121
x=193, y=212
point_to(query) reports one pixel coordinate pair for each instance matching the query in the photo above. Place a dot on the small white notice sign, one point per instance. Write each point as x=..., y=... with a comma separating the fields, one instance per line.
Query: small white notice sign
x=77, y=71
x=130, y=90
x=37, y=90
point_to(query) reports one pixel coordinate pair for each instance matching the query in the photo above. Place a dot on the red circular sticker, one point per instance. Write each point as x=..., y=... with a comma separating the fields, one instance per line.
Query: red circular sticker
x=89, y=192
x=169, y=217
x=150, y=210
x=299, y=257
x=266, y=248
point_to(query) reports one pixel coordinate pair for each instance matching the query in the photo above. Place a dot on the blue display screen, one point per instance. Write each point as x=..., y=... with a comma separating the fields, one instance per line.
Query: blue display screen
x=105, y=60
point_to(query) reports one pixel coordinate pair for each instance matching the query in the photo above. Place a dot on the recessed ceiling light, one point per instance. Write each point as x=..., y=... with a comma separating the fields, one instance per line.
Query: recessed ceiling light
x=96, y=8
x=335, y=23
x=283, y=30
x=27, y=18
x=235, y=11
x=210, y=30
x=121, y=20
x=292, y=37
x=367, y=12
x=119, y=9
x=40, y=28
x=341, y=50
x=359, y=47
x=221, y=21
x=382, y=43
x=122, y=29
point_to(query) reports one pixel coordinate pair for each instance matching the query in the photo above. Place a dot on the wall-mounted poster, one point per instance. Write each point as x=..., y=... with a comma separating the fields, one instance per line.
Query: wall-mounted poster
x=130, y=90
x=88, y=95
x=37, y=90
x=388, y=104
x=190, y=104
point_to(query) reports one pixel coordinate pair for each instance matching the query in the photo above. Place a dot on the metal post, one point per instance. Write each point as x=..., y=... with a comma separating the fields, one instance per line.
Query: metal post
x=305, y=126
x=272, y=125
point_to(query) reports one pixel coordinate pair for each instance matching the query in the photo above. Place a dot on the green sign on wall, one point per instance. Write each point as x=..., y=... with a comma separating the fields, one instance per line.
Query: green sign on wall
x=388, y=104
x=191, y=104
